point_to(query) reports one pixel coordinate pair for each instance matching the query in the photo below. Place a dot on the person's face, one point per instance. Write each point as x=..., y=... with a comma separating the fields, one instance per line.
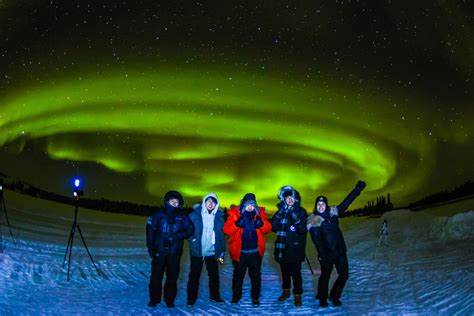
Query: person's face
x=210, y=204
x=249, y=207
x=321, y=206
x=290, y=200
x=174, y=202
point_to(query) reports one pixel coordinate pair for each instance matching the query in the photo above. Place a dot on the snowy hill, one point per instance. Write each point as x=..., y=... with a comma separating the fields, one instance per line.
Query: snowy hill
x=426, y=269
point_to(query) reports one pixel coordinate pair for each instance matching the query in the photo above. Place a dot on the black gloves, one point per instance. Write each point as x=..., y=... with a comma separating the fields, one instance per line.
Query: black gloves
x=294, y=217
x=360, y=185
x=240, y=222
x=258, y=222
x=151, y=253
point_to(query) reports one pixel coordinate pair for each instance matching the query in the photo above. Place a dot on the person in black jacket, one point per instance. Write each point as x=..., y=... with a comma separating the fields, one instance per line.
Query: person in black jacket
x=323, y=226
x=165, y=231
x=289, y=223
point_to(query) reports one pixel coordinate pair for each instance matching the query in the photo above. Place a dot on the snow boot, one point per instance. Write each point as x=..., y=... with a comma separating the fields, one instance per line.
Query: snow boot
x=323, y=303
x=284, y=295
x=298, y=301
x=335, y=301
x=152, y=304
x=218, y=300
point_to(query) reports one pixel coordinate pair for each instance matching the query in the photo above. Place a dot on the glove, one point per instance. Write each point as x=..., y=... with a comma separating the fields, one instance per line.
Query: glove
x=220, y=259
x=258, y=222
x=314, y=221
x=360, y=185
x=151, y=253
x=294, y=217
x=240, y=222
x=168, y=243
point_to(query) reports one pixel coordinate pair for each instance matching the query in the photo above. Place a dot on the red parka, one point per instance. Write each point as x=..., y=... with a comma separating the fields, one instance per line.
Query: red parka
x=235, y=233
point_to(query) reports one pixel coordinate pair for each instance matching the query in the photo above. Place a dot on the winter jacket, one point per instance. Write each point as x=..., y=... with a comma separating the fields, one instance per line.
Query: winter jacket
x=166, y=229
x=235, y=233
x=327, y=236
x=217, y=239
x=295, y=240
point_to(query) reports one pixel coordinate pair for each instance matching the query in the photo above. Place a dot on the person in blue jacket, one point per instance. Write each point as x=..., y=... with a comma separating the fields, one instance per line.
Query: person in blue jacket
x=323, y=226
x=207, y=245
x=165, y=231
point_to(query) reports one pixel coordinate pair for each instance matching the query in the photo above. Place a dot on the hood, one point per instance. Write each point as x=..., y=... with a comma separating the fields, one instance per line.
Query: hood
x=203, y=204
x=173, y=194
x=294, y=193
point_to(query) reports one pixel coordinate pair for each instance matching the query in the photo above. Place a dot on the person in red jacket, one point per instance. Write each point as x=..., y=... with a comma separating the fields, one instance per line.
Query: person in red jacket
x=246, y=227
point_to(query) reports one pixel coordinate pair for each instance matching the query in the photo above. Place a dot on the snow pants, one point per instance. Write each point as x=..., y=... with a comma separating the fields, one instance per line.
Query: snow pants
x=292, y=270
x=252, y=261
x=342, y=268
x=168, y=263
x=195, y=273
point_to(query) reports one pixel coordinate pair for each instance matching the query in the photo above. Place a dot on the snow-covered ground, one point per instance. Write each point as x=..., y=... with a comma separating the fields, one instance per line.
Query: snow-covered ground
x=427, y=268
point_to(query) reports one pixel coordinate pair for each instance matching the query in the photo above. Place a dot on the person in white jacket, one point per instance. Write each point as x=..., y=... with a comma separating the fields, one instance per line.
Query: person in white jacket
x=206, y=245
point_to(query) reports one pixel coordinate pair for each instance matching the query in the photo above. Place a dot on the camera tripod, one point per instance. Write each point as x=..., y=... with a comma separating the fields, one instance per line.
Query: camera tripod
x=71, y=241
x=4, y=210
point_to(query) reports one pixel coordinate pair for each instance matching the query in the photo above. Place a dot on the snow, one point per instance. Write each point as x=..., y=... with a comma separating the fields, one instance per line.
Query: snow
x=427, y=268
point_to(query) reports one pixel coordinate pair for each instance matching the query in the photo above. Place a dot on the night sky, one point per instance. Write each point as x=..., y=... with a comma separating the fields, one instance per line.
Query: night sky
x=139, y=98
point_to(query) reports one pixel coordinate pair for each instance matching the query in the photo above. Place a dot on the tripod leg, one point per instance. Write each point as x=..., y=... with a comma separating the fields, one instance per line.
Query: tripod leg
x=73, y=231
x=68, y=244
x=8, y=222
x=85, y=245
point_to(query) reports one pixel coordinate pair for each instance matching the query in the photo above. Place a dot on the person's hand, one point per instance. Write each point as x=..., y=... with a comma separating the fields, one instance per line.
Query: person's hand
x=240, y=222
x=220, y=259
x=294, y=217
x=258, y=222
x=360, y=185
x=314, y=221
x=151, y=253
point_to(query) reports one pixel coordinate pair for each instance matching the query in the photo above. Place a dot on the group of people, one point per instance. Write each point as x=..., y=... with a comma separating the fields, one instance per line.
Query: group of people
x=246, y=226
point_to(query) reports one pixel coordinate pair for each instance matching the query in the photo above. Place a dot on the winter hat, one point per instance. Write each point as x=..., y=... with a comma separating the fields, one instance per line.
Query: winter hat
x=248, y=198
x=174, y=195
x=285, y=191
x=321, y=198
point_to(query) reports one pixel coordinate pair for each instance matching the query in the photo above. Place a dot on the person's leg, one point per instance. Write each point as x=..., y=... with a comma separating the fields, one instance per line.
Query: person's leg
x=238, y=278
x=193, y=281
x=297, y=278
x=342, y=268
x=213, y=272
x=255, y=265
x=172, y=274
x=323, y=282
x=286, y=282
x=156, y=278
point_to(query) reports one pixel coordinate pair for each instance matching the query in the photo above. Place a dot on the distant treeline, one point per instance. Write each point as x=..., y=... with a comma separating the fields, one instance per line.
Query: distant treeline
x=375, y=207
x=463, y=190
x=96, y=204
x=378, y=206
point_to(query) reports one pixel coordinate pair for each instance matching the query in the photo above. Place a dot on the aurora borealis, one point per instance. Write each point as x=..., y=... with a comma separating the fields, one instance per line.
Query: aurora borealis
x=140, y=98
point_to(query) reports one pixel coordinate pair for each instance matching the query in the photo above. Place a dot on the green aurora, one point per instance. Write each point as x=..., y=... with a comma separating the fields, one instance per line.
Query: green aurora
x=201, y=131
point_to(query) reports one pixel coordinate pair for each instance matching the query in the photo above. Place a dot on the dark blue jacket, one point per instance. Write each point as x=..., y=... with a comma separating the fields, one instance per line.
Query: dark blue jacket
x=328, y=237
x=166, y=229
x=195, y=246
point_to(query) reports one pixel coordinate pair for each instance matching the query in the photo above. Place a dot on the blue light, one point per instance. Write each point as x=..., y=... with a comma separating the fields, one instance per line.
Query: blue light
x=77, y=183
